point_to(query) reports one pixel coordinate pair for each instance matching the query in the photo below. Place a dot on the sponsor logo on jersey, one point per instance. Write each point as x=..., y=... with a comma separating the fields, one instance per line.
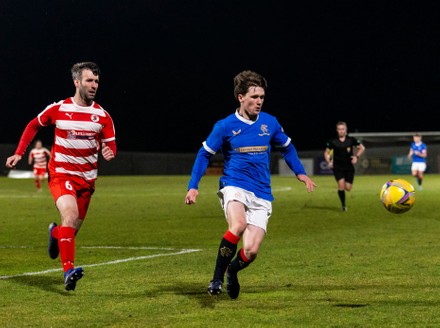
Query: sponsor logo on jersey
x=80, y=135
x=251, y=149
x=235, y=133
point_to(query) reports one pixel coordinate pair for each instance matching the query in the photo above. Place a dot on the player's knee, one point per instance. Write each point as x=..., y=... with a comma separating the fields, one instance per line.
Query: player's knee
x=251, y=254
x=238, y=227
x=70, y=218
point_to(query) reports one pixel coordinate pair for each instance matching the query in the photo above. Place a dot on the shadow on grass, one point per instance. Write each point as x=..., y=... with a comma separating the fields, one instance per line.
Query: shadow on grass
x=340, y=302
x=332, y=208
x=199, y=292
x=44, y=282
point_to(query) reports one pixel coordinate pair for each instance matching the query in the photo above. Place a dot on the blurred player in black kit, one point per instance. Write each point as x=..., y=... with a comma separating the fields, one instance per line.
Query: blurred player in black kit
x=340, y=156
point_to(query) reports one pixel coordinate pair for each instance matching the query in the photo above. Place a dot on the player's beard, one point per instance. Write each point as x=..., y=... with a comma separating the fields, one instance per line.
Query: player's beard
x=86, y=96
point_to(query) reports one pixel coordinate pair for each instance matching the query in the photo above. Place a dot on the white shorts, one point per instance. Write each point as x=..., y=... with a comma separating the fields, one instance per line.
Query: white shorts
x=258, y=210
x=418, y=166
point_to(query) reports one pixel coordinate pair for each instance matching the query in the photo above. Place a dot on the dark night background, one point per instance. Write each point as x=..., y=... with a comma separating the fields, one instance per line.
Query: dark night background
x=167, y=66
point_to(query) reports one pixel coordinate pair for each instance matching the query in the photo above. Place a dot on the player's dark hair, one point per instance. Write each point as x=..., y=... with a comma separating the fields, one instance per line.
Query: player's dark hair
x=246, y=79
x=78, y=68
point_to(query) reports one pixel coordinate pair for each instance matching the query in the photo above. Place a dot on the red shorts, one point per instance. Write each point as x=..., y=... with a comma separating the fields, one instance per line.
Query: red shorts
x=39, y=171
x=77, y=187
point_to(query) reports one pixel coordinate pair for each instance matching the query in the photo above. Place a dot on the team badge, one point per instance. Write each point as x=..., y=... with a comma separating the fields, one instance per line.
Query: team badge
x=94, y=118
x=265, y=130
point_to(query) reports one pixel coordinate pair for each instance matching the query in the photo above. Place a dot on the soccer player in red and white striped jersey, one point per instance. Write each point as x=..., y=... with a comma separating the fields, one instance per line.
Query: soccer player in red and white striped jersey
x=82, y=129
x=38, y=156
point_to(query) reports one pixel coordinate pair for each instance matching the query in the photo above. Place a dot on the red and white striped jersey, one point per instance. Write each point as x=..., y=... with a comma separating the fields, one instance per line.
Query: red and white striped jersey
x=39, y=157
x=79, y=132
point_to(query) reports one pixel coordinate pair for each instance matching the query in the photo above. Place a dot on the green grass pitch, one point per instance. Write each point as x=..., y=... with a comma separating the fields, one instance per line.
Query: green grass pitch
x=148, y=258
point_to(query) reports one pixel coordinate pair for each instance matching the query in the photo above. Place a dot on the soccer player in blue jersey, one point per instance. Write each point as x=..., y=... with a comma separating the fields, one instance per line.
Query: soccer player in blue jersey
x=418, y=152
x=245, y=139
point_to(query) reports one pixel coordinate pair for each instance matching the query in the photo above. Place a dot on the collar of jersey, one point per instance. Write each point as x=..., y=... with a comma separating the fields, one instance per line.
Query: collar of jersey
x=241, y=118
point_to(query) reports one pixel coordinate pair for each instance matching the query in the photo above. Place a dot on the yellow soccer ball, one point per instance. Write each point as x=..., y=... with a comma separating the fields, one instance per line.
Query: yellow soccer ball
x=397, y=196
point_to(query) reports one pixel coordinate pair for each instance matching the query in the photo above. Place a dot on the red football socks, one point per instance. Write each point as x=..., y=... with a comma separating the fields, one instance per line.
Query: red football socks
x=66, y=244
x=229, y=236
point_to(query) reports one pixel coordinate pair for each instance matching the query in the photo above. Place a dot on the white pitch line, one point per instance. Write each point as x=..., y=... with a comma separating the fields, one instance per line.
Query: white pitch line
x=183, y=251
x=24, y=196
x=17, y=195
x=5, y=246
x=281, y=188
x=132, y=247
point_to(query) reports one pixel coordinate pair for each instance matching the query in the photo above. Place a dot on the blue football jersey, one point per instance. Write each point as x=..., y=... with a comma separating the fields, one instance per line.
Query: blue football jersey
x=420, y=148
x=246, y=147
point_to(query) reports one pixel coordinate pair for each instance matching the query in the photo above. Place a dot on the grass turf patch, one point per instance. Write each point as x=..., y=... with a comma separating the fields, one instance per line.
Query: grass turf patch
x=318, y=266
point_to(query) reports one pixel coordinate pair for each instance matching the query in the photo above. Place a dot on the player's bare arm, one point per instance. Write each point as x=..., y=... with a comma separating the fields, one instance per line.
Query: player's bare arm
x=107, y=153
x=191, y=196
x=12, y=161
x=328, y=158
x=310, y=185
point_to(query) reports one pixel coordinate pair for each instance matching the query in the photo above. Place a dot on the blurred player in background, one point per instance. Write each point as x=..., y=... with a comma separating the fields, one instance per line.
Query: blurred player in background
x=82, y=128
x=38, y=156
x=245, y=138
x=418, y=153
x=341, y=154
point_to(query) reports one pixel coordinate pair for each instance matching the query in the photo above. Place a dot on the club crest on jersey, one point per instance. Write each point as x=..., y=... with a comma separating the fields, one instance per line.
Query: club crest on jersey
x=94, y=118
x=265, y=130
